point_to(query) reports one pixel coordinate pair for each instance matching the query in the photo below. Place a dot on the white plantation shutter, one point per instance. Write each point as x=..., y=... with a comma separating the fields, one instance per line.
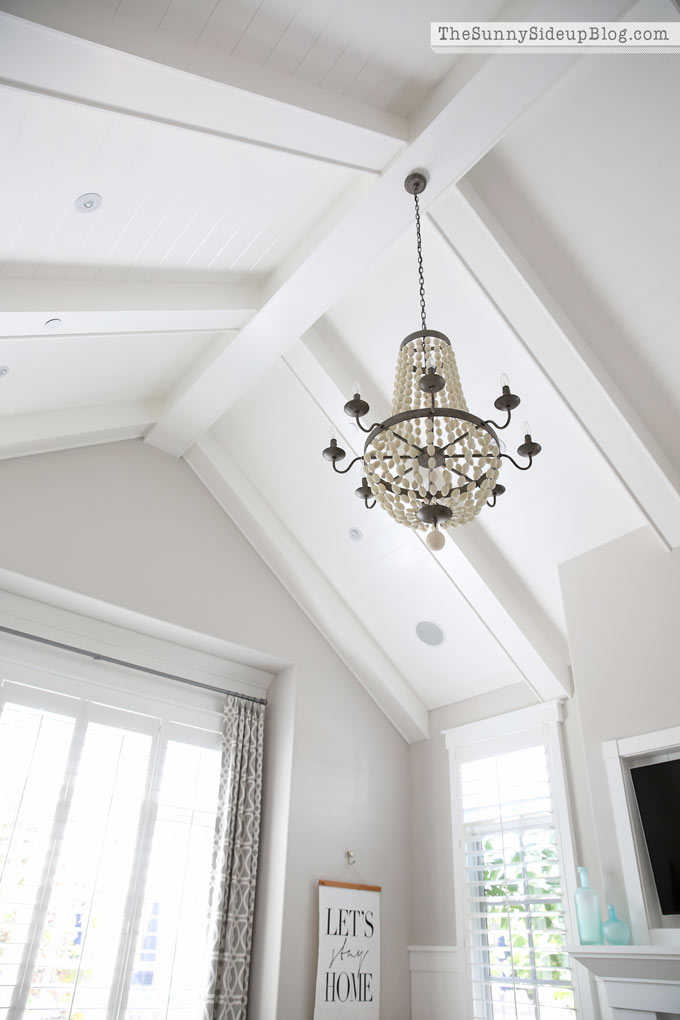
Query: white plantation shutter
x=516, y=928
x=106, y=825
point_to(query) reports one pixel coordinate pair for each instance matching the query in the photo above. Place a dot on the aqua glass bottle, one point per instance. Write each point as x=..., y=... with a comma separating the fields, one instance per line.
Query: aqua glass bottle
x=616, y=931
x=588, y=912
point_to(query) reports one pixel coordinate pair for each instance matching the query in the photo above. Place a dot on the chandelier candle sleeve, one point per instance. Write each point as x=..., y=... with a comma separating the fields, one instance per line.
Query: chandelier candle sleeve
x=432, y=464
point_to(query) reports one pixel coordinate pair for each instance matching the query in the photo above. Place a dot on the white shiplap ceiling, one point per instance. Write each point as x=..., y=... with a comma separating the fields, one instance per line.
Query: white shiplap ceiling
x=254, y=255
x=177, y=206
x=376, y=53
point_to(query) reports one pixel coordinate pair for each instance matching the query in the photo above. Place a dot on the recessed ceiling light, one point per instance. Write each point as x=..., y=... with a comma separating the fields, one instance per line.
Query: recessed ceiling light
x=356, y=534
x=3, y=370
x=88, y=202
x=53, y=324
x=429, y=633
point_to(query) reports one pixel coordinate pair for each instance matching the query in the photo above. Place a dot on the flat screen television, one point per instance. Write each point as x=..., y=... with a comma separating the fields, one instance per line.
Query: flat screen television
x=657, y=790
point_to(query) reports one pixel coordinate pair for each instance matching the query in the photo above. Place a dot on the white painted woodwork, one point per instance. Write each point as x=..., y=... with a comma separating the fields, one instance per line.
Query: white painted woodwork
x=204, y=92
x=75, y=621
x=178, y=206
x=453, y=141
x=229, y=148
x=434, y=982
x=568, y=364
x=538, y=724
x=46, y=431
x=53, y=373
x=371, y=54
x=586, y=187
x=640, y=982
x=122, y=307
x=347, y=633
x=643, y=906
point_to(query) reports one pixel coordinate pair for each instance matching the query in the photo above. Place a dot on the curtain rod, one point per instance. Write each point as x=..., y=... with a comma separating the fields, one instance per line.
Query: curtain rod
x=100, y=657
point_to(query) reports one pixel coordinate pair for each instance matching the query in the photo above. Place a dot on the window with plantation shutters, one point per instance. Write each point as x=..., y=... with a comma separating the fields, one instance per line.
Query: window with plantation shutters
x=514, y=868
x=515, y=917
x=107, y=817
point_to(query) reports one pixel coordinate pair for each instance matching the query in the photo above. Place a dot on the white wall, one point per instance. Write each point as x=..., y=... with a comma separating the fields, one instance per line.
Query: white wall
x=132, y=527
x=621, y=602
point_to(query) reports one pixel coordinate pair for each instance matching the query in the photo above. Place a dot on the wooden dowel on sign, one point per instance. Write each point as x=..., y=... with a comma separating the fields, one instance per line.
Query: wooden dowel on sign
x=351, y=885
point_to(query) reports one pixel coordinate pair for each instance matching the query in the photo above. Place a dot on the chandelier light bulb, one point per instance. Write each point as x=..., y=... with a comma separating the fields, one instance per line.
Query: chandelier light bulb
x=526, y=428
x=431, y=464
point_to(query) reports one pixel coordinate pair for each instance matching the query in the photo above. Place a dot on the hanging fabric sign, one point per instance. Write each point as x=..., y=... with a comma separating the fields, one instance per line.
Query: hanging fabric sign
x=348, y=972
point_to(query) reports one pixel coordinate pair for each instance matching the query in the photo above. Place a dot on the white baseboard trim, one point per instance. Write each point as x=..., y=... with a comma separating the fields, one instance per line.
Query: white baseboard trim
x=434, y=982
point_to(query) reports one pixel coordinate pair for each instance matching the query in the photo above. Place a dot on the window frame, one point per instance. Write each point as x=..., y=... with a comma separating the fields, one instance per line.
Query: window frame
x=97, y=695
x=646, y=919
x=538, y=723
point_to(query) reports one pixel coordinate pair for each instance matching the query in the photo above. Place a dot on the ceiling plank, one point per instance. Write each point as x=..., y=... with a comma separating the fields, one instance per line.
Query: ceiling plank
x=93, y=308
x=528, y=638
x=227, y=98
x=564, y=356
x=48, y=431
x=298, y=573
x=456, y=137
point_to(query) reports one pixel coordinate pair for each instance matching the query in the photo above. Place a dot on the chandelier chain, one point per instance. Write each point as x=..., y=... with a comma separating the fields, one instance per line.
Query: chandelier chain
x=421, y=273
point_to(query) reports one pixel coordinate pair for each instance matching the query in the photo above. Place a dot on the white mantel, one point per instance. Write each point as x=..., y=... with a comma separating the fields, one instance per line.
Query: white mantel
x=640, y=981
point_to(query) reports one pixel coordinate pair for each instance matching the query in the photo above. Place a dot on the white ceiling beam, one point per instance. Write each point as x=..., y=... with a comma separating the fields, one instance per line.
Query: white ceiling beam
x=195, y=88
x=122, y=307
x=448, y=146
x=564, y=356
x=469, y=559
x=47, y=431
x=301, y=577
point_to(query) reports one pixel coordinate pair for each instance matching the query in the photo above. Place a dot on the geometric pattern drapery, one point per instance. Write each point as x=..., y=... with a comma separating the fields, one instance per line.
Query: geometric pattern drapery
x=234, y=862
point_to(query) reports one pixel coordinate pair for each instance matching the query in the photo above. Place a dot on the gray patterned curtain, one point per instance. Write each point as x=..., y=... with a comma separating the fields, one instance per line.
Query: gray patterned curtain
x=234, y=863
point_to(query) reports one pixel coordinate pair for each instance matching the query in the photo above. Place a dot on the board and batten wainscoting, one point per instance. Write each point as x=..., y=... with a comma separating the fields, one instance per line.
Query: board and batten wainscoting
x=434, y=982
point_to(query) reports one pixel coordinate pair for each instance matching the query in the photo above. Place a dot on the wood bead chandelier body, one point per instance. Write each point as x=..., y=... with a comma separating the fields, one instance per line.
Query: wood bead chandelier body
x=432, y=464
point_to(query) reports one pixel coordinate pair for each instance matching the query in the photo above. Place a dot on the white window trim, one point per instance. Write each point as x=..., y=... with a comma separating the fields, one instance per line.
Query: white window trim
x=135, y=690
x=546, y=717
x=633, y=855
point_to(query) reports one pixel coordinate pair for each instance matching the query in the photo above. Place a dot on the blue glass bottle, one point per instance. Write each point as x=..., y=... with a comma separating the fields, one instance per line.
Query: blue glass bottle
x=588, y=912
x=616, y=931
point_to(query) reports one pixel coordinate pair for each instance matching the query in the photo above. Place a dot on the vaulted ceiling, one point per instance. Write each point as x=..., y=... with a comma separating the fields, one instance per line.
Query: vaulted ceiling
x=253, y=256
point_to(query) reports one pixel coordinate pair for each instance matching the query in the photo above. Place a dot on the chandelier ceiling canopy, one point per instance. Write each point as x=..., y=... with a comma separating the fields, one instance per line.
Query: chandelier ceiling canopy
x=432, y=464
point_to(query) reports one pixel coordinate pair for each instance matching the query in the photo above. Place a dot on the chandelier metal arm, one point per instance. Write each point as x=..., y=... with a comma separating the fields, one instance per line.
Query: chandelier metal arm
x=506, y=456
x=375, y=425
x=343, y=471
x=490, y=421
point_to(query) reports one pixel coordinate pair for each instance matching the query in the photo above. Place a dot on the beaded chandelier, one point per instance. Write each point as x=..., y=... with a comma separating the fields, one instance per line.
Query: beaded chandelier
x=432, y=464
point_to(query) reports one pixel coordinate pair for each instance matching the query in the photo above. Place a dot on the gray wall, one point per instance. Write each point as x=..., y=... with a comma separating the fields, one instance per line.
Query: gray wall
x=622, y=602
x=133, y=527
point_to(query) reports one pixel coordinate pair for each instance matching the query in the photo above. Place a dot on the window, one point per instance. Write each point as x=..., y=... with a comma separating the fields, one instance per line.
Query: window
x=512, y=865
x=107, y=816
x=516, y=925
